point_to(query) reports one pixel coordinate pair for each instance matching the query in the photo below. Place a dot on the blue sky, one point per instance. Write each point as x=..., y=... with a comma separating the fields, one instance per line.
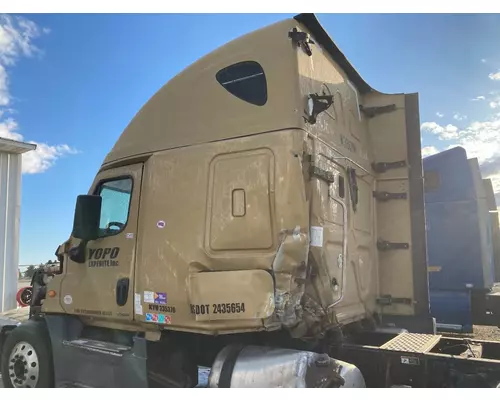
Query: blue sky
x=72, y=83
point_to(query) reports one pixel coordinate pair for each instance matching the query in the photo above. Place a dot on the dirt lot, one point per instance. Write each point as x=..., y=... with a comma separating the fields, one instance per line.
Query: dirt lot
x=480, y=333
x=23, y=283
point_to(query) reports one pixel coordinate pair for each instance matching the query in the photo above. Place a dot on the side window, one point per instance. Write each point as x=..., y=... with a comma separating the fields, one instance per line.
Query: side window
x=431, y=181
x=115, y=207
x=245, y=80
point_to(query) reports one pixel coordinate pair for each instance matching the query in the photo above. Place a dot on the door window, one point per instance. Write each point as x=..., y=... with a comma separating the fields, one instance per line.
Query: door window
x=115, y=207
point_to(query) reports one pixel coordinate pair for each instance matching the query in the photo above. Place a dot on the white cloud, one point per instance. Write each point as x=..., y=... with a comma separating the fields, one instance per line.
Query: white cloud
x=44, y=157
x=495, y=104
x=480, y=140
x=494, y=76
x=483, y=60
x=16, y=38
x=8, y=129
x=439, y=114
x=459, y=117
x=479, y=98
x=16, y=41
x=38, y=160
x=429, y=151
x=447, y=132
x=4, y=91
x=432, y=127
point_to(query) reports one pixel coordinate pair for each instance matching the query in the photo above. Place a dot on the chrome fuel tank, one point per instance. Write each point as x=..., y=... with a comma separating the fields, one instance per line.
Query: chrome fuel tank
x=266, y=367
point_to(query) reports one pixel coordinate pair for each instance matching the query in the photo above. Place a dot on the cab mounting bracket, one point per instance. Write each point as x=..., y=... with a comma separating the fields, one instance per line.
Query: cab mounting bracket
x=321, y=174
x=384, y=245
x=387, y=300
x=302, y=40
x=386, y=196
x=371, y=112
x=381, y=167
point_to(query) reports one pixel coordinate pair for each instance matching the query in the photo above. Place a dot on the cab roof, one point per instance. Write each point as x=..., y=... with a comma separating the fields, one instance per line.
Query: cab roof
x=193, y=107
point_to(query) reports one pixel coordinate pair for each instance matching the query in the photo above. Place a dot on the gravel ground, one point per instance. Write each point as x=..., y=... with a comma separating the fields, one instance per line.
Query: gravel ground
x=203, y=373
x=480, y=332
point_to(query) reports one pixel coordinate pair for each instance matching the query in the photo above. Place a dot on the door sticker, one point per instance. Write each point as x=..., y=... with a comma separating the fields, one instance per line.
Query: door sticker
x=155, y=297
x=160, y=224
x=160, y=298
x=149, y=297
x=138, y=304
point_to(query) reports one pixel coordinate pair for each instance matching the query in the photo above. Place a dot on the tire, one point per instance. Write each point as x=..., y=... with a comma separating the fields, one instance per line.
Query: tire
x=27, y=357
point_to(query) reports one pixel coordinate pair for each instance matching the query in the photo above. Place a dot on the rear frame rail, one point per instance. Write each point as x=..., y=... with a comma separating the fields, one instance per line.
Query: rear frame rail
x=423, y=360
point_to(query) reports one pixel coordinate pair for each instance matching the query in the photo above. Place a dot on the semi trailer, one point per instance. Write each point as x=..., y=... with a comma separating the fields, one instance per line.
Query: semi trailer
x=262, y=215
x=462, y=242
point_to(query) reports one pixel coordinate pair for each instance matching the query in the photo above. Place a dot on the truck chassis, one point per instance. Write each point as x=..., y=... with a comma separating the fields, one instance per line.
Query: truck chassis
x=422, y=360
x=384, y=358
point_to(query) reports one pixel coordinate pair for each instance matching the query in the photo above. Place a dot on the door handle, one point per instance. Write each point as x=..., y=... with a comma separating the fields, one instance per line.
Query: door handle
x=122, y=291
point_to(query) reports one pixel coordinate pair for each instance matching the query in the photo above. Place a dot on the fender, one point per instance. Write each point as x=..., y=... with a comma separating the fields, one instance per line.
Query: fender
x=10, y=320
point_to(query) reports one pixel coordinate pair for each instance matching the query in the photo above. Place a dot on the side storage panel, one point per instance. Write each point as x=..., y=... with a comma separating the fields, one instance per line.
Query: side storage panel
x=394, y=128
x=240, y=200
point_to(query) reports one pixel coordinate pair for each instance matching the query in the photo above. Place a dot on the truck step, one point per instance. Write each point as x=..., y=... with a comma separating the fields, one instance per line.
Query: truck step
x=99, y=346
x=412, y=342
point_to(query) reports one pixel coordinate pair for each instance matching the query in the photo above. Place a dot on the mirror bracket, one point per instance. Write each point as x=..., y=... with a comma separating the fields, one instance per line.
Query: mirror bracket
x=77, y=253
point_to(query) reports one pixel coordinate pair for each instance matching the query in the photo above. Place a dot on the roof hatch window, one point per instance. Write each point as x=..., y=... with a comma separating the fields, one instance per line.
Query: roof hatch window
x=245, y=80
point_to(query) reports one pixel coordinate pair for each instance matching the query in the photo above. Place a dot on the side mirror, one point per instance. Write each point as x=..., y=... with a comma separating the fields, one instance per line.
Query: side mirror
x=87, y=217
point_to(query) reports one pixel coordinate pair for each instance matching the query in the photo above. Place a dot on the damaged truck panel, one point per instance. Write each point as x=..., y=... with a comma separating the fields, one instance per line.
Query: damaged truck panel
x=342, y=205
x=234, y=191
x=375, y=139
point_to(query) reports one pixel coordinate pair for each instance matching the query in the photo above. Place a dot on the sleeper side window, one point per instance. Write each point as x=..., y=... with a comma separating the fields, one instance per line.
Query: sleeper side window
x=116, y=195
x=245, y=80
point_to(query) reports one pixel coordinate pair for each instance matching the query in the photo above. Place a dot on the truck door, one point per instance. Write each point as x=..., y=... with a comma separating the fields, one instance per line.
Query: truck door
x=102, y=286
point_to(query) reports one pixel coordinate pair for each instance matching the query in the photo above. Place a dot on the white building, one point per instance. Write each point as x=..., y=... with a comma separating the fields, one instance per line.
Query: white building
x=10, y=205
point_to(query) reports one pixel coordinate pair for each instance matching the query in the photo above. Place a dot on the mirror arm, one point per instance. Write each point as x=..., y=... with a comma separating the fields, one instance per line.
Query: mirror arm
x=77, y=253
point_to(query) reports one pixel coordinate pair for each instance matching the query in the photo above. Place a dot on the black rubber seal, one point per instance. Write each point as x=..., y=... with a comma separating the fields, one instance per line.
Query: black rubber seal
x=226, y=372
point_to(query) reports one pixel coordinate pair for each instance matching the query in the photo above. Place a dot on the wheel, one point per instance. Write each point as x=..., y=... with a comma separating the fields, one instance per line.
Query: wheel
x=27, y=357
x=24, y=295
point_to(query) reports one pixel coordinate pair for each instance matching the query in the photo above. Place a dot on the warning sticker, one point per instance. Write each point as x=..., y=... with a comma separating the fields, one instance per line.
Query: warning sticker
x=138, y=304
x=158, y=318
x=410, y=360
